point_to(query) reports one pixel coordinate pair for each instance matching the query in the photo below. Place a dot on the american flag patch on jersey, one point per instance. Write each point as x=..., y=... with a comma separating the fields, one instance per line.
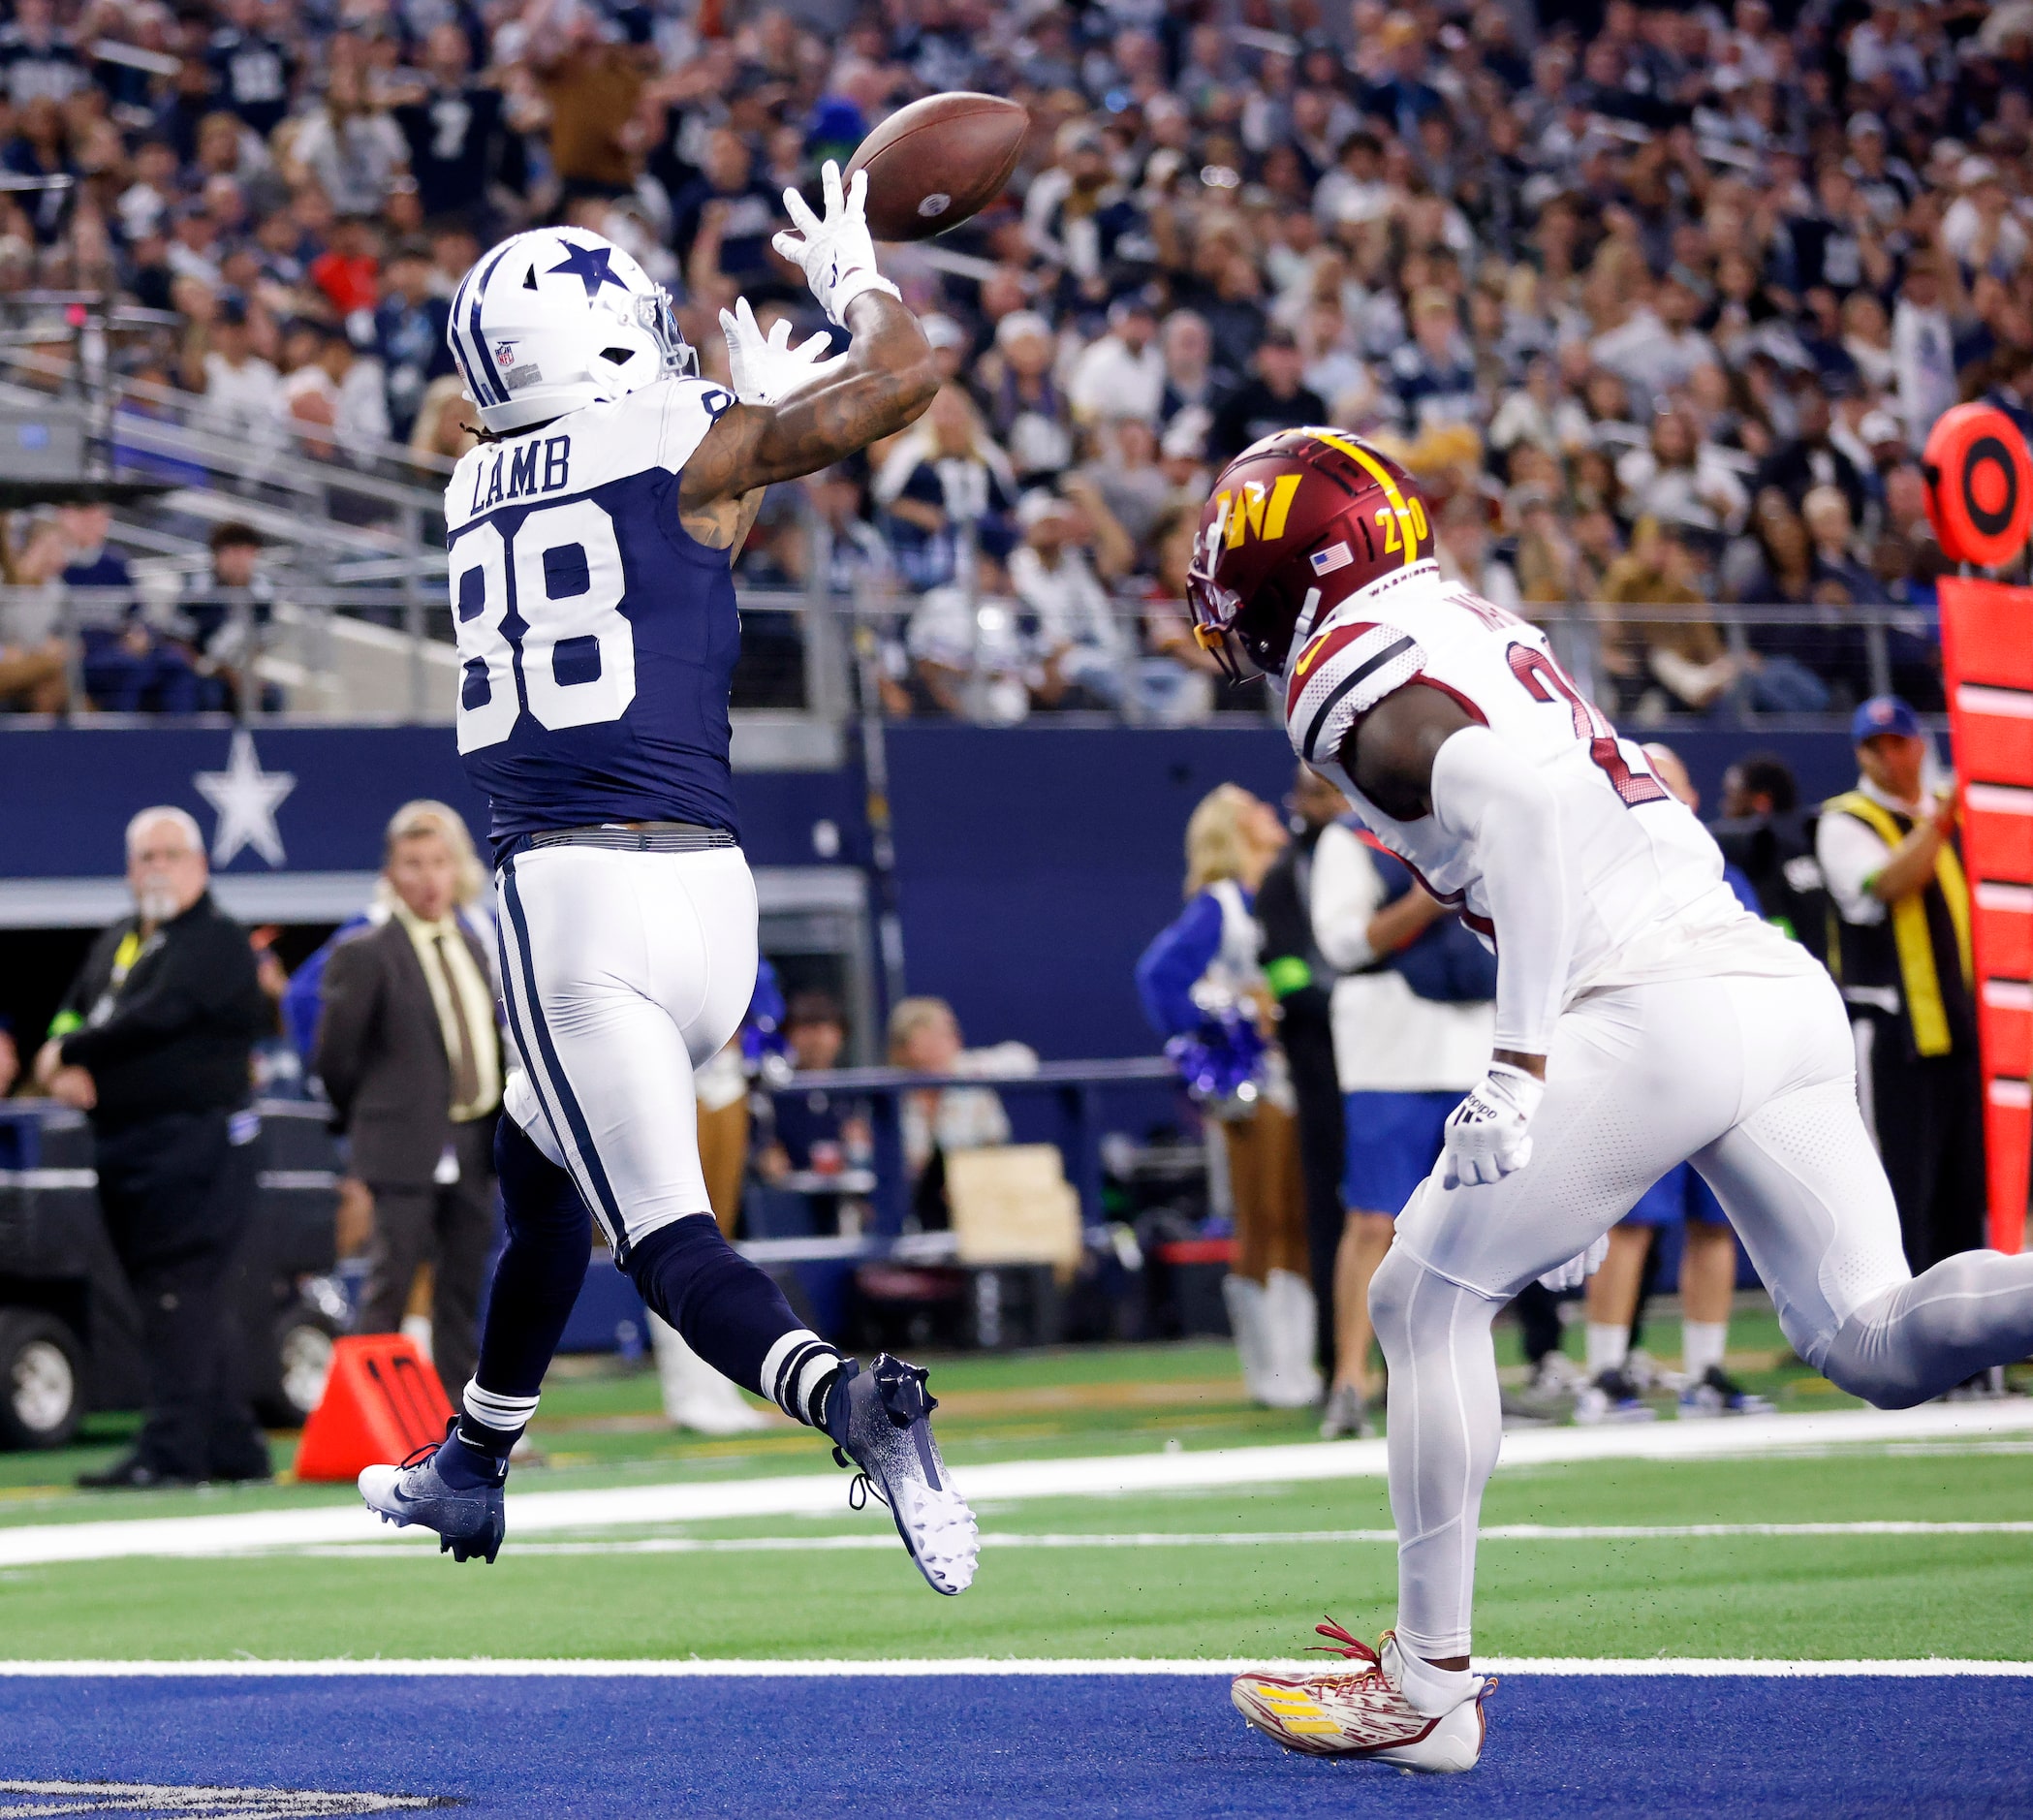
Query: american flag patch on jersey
x=1334, y=556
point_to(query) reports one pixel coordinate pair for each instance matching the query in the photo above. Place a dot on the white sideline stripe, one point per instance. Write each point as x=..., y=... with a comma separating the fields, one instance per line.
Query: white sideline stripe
x=806, y=1494
x=1209, y=1539
x=695, y=1669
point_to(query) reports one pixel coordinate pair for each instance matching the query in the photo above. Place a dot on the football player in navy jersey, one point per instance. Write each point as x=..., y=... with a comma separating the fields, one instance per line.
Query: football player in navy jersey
x=590, y=538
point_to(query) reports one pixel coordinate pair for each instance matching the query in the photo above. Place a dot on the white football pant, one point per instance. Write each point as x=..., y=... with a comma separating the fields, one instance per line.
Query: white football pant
x=621, y=973
x=1753, y=1080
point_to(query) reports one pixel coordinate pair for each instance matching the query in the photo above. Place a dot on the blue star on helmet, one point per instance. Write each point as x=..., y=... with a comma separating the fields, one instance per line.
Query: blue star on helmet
x=589, y=264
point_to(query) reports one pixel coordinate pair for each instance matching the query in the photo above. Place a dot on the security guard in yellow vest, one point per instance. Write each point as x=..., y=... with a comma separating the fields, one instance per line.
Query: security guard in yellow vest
x=1900, y=952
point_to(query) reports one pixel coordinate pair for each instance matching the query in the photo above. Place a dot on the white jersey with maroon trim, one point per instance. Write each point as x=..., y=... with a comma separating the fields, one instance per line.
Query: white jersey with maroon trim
x=1647, y=878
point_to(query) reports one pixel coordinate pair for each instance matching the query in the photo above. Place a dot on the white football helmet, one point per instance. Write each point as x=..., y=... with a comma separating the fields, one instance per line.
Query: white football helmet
x=559, y=318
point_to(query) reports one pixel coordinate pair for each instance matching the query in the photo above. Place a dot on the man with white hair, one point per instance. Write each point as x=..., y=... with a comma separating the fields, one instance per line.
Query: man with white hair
x=409, y=1049
x=153, y=1041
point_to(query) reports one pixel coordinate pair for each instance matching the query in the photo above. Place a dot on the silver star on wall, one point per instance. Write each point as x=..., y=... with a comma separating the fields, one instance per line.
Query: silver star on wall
x=246, y=798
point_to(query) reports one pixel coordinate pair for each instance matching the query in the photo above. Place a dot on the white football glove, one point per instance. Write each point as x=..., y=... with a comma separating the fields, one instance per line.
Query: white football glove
x=835, y=255
x=1577, y=1271
x=765, y=368
x=1486, y=1133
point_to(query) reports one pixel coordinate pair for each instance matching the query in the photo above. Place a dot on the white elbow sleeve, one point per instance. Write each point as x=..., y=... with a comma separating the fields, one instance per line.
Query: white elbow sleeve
x=1489, y=796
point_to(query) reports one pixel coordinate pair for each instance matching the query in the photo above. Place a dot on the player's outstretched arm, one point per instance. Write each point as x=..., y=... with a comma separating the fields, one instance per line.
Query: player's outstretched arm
x=879, y=386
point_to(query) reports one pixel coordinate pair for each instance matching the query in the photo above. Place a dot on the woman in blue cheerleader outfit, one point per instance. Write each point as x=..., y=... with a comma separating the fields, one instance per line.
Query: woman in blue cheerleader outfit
x=1202, y=989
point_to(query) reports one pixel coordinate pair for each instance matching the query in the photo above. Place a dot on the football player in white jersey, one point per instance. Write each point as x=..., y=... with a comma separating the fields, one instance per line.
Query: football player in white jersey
x=590, y=538
x=1644, y=1018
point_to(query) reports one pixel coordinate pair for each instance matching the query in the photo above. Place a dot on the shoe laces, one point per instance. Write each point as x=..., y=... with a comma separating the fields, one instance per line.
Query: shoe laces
x=417, y=1456
x=1353, y=1647
x=860, y=1487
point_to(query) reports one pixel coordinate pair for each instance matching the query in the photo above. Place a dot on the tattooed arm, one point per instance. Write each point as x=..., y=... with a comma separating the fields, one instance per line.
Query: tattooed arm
x=881, y=384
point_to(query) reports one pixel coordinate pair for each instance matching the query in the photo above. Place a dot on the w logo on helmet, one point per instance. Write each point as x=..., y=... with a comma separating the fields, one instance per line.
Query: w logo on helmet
x=1254, y=510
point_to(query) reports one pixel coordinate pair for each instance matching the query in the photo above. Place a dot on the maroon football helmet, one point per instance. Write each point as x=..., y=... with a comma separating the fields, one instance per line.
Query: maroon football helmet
x=1301, y=510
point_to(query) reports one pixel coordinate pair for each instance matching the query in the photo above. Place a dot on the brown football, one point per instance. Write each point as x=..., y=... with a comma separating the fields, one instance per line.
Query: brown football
x=936, y=163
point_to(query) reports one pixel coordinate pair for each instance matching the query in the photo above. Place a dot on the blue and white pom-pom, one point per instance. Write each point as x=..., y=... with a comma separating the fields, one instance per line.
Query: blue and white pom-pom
x=1219, y=1060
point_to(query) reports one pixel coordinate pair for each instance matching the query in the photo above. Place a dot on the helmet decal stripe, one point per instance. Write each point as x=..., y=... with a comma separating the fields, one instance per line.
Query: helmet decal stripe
x=1382, y=476
x=461, y=346
x=499, y=391
x=457, y=343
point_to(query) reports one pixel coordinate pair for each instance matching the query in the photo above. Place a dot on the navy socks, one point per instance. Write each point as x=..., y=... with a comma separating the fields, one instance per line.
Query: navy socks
x=732, y=1316
x=729, y=1311
x=550, y=1243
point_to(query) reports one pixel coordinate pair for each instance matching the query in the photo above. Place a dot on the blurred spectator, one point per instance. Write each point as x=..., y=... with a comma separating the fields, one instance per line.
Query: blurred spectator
x=925, y=1037
x=1432, y=376
x=973, y=651
x=1923, y=343
x=943, y=482
x=1888, y=851
x=1122, y=374
x=347, y=147
x=127, y=667
x=221, y=619
x=590, y=69
x=451, y=124
x=153, y=1041
x=1192, y=380
x=34, y=656
x=1028, y=414
x=445, y=423
x=409, y=336
x=332, y=398
x=1764, y=832
x=1125, y=473
x=410, y=1054
x=815, y=1131
x=1467, y=552
x=1277, y=398
x=1811, y=458
x=1826, y=513
x=1682, y=479
x=1658, y=661
x=1083, y=644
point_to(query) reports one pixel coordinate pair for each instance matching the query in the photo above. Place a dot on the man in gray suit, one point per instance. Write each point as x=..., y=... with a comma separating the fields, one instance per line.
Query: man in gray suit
x=410, y=1054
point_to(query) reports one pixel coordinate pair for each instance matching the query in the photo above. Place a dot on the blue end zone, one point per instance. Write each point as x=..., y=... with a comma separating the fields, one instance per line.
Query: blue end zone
x=1015, y=1748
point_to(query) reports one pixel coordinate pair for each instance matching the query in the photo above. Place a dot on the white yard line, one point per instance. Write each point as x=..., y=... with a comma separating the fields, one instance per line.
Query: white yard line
x=695, y=1669
x=1008, y=1482
x=996, y=1541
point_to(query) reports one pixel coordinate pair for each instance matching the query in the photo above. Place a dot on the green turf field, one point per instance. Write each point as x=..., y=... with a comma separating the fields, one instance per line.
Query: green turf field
x=629, y=1593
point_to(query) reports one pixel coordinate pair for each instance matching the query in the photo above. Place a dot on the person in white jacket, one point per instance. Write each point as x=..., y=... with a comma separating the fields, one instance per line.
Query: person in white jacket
x=1403, y=1062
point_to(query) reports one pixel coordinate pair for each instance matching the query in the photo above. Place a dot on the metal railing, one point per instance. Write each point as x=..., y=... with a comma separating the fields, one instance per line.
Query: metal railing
x=367, y=634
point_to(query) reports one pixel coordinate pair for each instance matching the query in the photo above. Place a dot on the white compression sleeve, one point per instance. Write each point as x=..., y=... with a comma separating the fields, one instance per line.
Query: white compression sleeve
x=1491, y=797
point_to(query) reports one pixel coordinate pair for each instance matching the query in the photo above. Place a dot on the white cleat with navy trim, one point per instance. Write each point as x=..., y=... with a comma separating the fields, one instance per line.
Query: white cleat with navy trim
x=1361, y=1713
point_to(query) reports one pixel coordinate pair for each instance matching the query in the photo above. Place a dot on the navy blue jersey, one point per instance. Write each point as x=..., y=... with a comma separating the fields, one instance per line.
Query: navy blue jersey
x=596, y=638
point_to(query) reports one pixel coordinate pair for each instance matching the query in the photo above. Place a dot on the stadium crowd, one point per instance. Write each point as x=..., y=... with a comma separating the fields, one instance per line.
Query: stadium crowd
x=1660, y=303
